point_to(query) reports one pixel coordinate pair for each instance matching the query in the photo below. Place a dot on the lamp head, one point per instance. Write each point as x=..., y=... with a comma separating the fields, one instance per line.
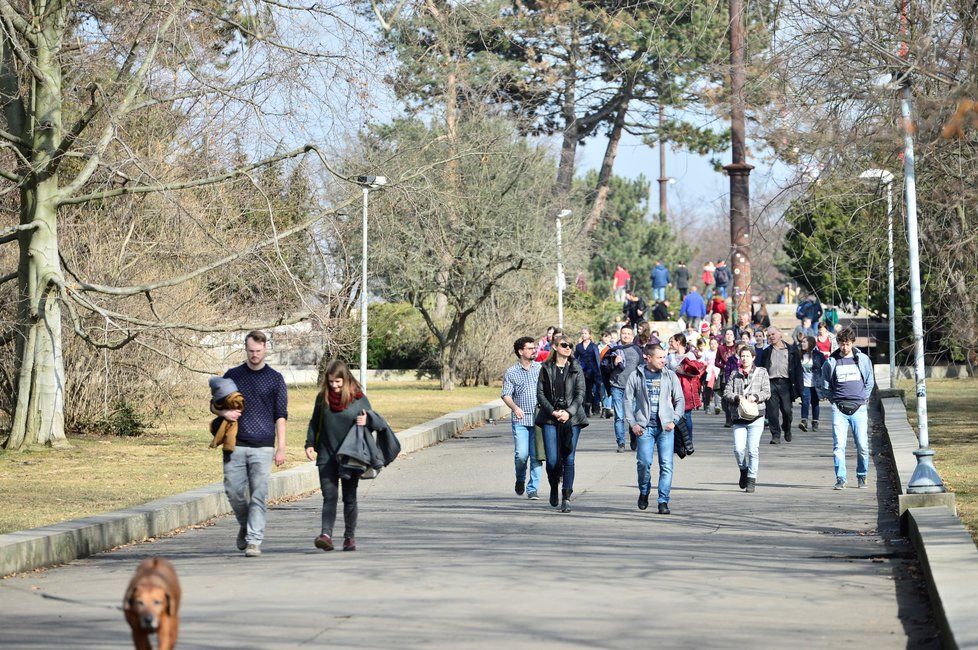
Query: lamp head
x=563, y=214
x=881, y=175
x=371, y=182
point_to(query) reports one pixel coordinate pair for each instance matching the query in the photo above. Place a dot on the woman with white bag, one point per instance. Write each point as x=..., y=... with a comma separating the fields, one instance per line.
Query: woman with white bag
x=746, y=393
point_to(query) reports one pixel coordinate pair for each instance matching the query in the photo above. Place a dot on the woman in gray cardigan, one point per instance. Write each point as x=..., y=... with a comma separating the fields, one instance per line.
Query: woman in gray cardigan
x=748, y=383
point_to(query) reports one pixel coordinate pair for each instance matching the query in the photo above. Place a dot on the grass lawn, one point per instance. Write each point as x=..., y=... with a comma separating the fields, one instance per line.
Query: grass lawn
x=99, y=474
x=952, y=405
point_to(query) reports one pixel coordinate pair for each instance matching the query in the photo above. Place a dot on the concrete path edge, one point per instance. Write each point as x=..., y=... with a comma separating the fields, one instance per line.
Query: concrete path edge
x=46, y=546
x=944, y=546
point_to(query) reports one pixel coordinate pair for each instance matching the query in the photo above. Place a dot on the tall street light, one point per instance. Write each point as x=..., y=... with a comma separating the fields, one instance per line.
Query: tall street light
x=560, y=268
x=925, y=479
x=886, y=178
x=367, y=183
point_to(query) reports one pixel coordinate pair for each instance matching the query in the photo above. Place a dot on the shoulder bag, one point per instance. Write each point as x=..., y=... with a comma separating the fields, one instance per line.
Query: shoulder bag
x=747, y=410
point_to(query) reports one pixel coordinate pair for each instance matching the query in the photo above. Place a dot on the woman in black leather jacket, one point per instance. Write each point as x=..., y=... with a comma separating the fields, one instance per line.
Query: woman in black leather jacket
x=560, y=397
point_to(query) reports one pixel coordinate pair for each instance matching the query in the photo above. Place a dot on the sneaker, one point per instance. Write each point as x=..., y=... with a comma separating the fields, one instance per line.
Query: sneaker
x=716, y=410
x=520, y=487
x=532, y=495
x=324, y=541
x=643, y=501
x=861, y=481
x=814, y=425
x=743, y=478
x=775, y=441
x=240, y=542
x=621, y=448
x=803, y=425
x=349, y=544
x=840, y=484
x=252, y=550
x=728, y=424
x=664, y=509
x=751, y=484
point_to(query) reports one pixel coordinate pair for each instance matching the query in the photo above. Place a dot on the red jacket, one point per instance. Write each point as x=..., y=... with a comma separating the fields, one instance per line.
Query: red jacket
x=690, y=376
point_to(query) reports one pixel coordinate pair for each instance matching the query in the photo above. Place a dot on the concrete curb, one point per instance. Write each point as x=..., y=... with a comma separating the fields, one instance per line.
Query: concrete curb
x=70, y=540
x=944, y=546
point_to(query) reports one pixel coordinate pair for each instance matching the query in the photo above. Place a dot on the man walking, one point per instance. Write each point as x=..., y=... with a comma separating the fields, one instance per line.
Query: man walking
x=653, y=404
x=783, y=365
x=520, y=395
x=721, y=276
x=660, y=280
x=693, y=309
x=634, y=309
x=682, y=280
x=620, y=362
x=619, y=281
x=847, y=382
x=261, y=439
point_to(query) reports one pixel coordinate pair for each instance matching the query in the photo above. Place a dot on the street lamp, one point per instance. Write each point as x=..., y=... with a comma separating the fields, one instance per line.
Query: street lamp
x=560, y=268
x=885, y=177
x=367, y=183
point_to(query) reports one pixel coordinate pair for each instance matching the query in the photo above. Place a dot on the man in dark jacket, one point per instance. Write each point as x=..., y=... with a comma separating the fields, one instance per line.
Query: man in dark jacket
x=619, y=362
x=586, y=353
x=721, y=276
x=811, y=308
x=783, y=365
x=681, y=276
x=661, y=311
x=634, y=309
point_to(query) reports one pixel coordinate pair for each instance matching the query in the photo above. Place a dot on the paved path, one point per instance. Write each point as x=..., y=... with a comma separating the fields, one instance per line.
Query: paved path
x=450, y=557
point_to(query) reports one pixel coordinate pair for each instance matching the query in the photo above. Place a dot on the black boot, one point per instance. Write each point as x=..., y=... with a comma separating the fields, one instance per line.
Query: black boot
x=554, y=497
x=743, y=478
x=565, y=502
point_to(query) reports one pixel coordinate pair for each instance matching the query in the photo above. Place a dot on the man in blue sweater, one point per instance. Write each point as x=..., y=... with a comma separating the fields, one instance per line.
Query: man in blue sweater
x=660, y=280
x=261, y=439
x=693, y=309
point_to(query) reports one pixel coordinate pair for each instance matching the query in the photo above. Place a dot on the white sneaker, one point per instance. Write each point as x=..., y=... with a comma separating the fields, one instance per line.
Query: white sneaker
x=253, y=550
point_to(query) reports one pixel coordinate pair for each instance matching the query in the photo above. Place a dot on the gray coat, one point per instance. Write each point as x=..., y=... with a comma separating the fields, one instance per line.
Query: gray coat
x=760, y=385
x=672, y=404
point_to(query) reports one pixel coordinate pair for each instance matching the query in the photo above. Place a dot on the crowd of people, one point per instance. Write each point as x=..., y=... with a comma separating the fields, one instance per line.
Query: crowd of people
x=653, y=382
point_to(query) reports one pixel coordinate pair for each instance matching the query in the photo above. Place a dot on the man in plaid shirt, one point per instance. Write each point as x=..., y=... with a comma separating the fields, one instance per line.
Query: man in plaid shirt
x=520, y=395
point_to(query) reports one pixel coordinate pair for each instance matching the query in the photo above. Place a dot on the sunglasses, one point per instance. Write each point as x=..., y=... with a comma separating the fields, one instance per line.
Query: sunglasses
x=566, y=346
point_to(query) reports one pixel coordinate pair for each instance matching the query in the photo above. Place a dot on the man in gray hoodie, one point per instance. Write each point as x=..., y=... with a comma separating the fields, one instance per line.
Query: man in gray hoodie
x=620, y=362
x=653, y=404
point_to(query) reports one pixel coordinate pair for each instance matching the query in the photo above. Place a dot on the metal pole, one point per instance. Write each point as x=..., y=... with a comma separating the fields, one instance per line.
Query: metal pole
x=892, y=294
x=560, y=275
x=739, y=170
x=663, y=179
x=363, y=298
x=925, y=478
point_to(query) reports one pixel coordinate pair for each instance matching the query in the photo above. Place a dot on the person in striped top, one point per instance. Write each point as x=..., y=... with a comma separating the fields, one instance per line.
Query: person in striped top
x=520, y=395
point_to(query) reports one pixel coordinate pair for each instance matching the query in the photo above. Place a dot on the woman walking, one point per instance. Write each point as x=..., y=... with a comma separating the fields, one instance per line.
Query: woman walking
x=811, y=373
x=340, y=405
x=560, y=398
x=746, y=394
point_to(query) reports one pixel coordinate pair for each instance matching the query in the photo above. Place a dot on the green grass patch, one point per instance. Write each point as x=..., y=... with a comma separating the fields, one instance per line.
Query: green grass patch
x=102, y=473
x=951, y=411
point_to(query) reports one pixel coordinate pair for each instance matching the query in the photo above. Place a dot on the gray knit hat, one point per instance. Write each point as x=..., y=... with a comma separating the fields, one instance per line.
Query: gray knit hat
x=221, y=387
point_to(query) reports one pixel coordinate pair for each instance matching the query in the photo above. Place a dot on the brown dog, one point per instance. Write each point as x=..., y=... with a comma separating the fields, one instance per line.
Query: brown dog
x=152, y=604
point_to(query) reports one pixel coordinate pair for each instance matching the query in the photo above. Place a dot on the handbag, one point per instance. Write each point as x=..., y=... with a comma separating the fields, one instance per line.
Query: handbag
x=747, y=410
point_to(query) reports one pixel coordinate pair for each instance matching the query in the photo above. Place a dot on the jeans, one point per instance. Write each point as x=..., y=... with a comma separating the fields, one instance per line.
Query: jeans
x=592, y=394
x=618, y=400
x=328, y=480
x=747, y=440
x=560, y=465
x=860, y=433
x=707, y=292
x=688, y=416
x=246, y=472
x=809, y=399
x=663, y=443
x=779, y=407
x=525, y=446
x=620, y=294
x=722, y=290
x=658, y=294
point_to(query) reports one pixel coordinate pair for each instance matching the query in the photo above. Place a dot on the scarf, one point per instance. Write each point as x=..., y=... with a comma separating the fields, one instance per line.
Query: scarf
x=335, y=400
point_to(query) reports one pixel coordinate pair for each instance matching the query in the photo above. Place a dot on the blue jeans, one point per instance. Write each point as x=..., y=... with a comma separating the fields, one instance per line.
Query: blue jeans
x=605, y=396
x=860, y=433
x=658, y=293
x=525, y=446
x=747, y=442
x=722, y=291
x=809, y=400
x=246, y=473
x=663, y=442
x=618, y=400
x=688, y=416
x=560, y=466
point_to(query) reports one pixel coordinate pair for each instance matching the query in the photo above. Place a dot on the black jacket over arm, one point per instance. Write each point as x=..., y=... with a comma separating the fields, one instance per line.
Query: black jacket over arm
x=572, y=390
x=794, y=367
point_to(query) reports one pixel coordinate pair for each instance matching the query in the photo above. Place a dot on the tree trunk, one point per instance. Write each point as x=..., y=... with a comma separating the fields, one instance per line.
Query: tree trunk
x=607, y=165
x=568, y=111
x=447, y=367
x=39, y=406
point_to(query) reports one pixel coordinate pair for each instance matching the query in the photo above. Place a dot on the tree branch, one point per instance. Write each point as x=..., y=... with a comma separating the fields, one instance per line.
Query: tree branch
x=11, y=233
x=18, y=22
x=180, y=279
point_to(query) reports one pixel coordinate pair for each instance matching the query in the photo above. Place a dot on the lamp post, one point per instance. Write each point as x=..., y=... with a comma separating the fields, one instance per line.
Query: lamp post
x=367, y=183
x=885, y=177
x=925, y=479
x=560, y=268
